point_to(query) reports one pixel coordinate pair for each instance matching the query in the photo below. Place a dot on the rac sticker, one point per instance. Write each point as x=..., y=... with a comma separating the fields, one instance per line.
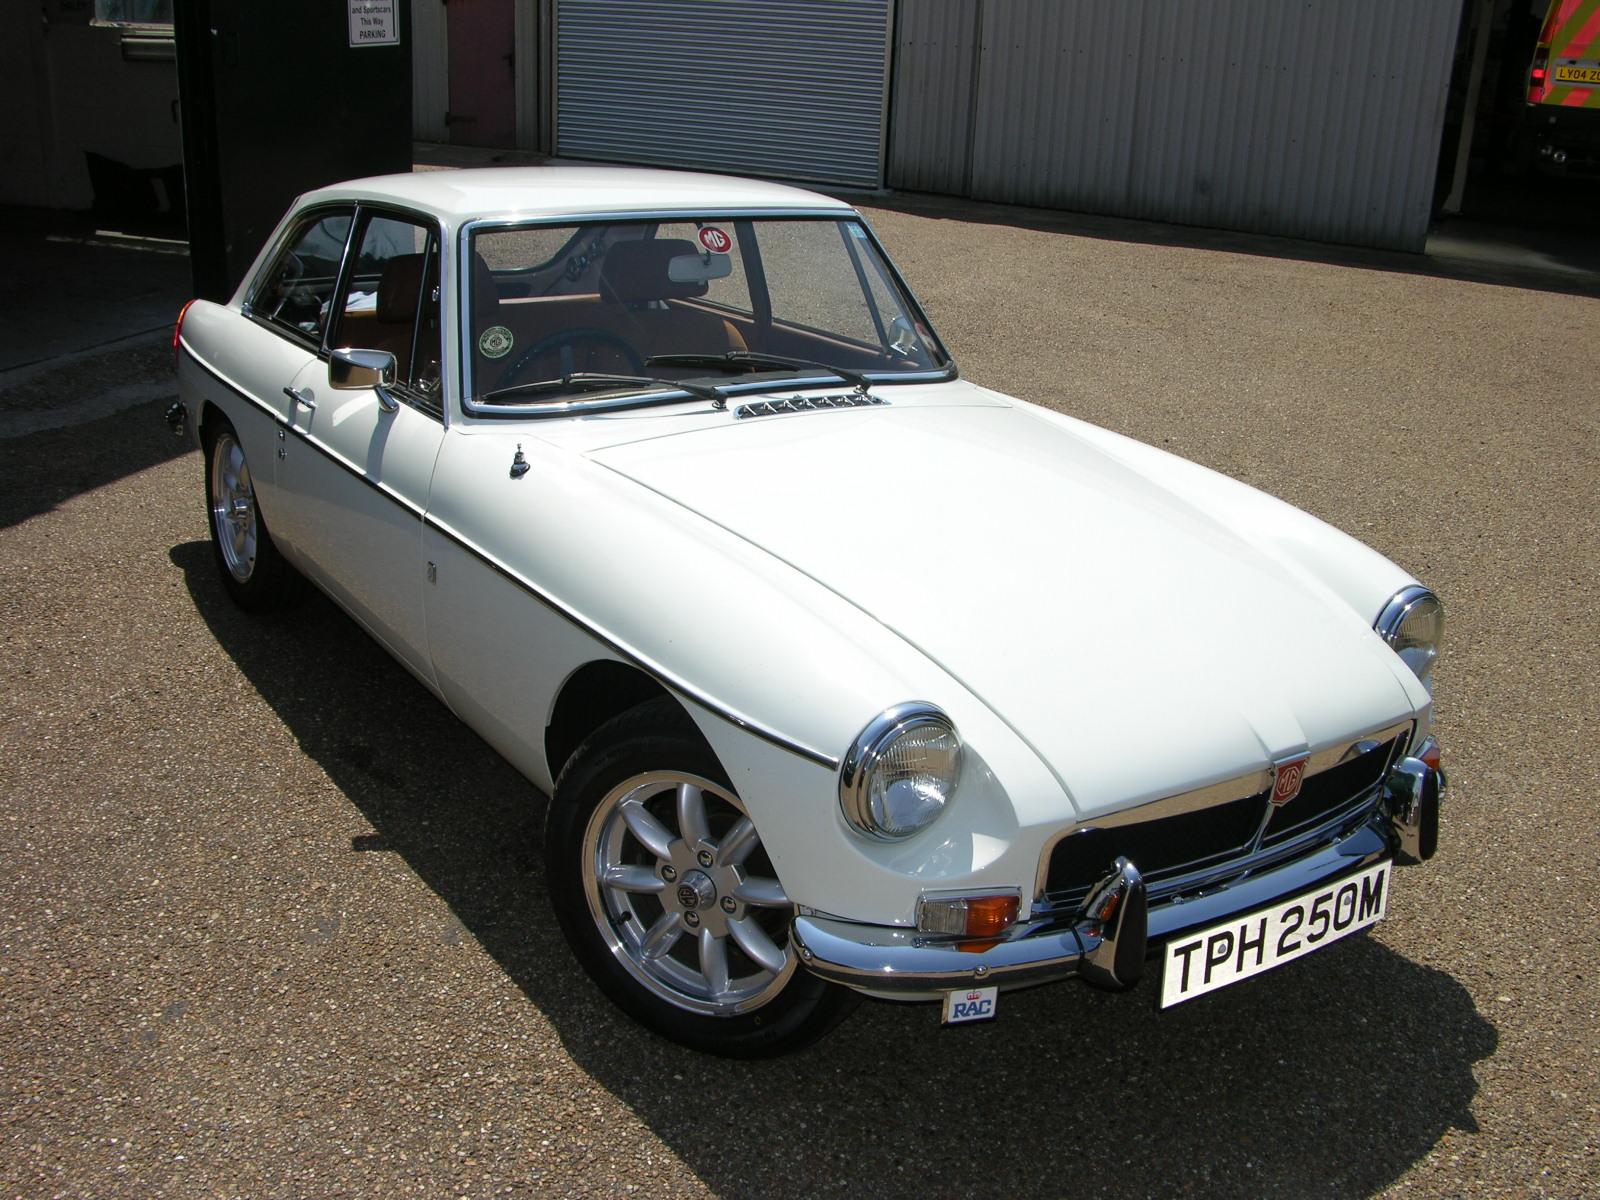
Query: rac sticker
x=971, y=1004
x=714, y=240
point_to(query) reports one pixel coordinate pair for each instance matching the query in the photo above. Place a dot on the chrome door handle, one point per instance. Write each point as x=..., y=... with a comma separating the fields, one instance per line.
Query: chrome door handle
x=301, y=396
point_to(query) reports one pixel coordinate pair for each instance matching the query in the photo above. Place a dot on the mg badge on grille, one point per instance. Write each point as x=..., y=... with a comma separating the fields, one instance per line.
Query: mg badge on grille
x=1287, y=775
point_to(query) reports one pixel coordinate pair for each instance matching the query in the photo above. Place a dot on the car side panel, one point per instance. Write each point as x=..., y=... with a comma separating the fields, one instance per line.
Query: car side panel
x=355, y=480
x=231, y=362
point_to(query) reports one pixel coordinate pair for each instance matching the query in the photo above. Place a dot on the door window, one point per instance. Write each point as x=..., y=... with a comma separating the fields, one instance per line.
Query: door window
x=391, y=302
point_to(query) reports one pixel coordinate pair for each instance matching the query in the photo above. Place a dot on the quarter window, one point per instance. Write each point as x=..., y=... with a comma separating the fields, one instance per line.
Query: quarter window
x=814, y=280
x=298, y=288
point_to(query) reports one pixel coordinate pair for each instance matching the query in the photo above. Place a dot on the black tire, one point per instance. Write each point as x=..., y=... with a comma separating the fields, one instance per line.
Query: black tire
x=253, y=572
x=792, y=1009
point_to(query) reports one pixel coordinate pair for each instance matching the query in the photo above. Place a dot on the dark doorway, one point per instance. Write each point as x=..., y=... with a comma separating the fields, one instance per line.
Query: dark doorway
x=1521, y=150
x=483, y=72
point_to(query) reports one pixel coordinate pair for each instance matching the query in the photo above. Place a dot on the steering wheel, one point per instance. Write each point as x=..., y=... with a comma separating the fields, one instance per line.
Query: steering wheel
x=578, y=350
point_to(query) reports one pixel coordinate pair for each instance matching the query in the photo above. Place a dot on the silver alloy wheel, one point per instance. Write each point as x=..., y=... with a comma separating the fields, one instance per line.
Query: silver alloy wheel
x=233, y=506
x=669, y=862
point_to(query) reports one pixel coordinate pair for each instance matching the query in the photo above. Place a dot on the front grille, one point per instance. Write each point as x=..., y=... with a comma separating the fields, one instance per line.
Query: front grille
x=1211, y=838
x=1209, y=835
x=1325, y=794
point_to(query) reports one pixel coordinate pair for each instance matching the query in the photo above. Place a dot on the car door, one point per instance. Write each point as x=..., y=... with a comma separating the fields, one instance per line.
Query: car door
x=359, y=461
x=278, y=337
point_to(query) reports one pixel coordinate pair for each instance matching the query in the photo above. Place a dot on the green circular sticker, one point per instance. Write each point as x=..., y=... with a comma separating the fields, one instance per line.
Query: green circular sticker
x=495, y=341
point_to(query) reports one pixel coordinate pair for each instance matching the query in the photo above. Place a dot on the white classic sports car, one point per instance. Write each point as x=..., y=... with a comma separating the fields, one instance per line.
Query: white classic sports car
x=843, y=674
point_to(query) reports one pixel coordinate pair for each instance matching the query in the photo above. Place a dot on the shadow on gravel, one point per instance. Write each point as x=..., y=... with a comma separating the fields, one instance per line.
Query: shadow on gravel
x=45, y=469
x=1330, y=1078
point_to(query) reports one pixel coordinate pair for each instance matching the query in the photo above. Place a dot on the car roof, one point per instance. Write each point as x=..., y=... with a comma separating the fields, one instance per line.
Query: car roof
x=459, y=195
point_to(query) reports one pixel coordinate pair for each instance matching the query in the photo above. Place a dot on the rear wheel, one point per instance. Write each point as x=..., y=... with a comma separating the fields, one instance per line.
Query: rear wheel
x=251, y=568
x=664, y=891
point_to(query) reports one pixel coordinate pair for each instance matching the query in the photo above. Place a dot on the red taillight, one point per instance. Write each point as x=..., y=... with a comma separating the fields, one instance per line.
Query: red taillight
x=1539, y=76
x=177, y=332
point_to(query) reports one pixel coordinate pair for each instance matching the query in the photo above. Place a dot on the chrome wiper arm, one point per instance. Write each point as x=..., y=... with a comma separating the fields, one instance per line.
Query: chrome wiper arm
x=752, y=360
x=594, y=380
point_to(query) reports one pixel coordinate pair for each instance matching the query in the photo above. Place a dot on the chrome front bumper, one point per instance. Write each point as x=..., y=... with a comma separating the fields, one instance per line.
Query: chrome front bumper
x=1108, y=942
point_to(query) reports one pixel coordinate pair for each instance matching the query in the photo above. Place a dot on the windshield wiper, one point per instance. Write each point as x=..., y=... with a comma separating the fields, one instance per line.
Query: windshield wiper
x=595, y=380
x=750, y=360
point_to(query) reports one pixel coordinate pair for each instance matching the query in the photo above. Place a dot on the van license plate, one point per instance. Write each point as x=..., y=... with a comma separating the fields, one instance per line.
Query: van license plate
x=1247, y=945
x=1577, y=75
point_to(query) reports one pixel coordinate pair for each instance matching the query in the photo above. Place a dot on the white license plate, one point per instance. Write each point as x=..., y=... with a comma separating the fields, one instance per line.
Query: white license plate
x=970, y=1004
x=1247, y=945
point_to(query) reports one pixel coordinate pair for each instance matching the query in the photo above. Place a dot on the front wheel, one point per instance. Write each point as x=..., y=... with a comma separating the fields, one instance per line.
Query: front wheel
x=660, y=883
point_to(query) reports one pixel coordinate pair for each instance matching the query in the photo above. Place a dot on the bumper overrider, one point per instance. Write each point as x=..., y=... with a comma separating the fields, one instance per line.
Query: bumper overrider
x=1108, y=939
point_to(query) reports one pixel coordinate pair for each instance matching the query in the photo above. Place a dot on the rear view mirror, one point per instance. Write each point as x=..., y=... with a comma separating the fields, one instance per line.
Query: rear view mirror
x=698, y=268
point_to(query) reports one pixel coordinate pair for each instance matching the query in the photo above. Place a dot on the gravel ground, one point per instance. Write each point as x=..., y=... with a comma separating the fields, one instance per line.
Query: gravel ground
x=272, y=923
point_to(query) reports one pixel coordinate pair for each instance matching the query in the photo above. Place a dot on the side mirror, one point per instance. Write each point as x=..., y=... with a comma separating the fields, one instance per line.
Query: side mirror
x=353, y=370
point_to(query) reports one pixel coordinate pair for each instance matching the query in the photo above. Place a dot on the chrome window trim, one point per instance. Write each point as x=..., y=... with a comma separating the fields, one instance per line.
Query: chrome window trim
x=1239, y=787
x=412, y=398
x=321, y=347
x=463, y=247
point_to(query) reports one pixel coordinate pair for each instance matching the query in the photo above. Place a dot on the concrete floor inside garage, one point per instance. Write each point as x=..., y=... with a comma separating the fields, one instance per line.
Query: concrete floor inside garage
x=272, y=922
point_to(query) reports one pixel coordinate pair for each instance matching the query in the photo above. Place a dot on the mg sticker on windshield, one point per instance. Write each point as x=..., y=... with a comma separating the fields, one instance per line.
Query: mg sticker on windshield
x=715, y=240
x=495, y=341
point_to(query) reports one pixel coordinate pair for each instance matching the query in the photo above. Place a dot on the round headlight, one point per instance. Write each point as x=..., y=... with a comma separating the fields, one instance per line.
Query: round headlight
x=1413, y=624
x=901, y=772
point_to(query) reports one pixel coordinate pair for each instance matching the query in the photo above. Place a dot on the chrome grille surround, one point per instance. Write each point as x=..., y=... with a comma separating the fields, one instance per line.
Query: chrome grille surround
x=1265, y=847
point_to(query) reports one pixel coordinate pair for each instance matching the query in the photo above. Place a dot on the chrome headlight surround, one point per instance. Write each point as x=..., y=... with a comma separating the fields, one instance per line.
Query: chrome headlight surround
x=924, y=770
x=1413, y=625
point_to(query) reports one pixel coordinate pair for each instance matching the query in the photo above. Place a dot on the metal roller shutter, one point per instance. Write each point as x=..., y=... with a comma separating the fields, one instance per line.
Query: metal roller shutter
x=792, y=88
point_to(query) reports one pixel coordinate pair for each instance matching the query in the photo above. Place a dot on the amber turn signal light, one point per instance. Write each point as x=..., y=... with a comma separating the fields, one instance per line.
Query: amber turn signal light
x=968, y=916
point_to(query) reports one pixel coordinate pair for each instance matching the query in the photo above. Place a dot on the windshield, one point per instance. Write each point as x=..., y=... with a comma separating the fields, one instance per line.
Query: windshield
x=742, y=304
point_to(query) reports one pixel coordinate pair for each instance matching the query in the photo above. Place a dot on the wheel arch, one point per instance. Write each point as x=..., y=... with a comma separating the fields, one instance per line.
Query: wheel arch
x=593, y=694
x=206, y=419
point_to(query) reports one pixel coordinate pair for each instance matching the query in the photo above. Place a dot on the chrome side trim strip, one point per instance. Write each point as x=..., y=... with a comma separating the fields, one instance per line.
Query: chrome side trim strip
x=305, y=438
x=627, y=653
x=632, y=656
x=233, y=387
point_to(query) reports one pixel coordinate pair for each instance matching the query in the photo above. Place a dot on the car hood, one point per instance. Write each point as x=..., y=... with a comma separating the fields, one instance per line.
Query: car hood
x=1139, y=645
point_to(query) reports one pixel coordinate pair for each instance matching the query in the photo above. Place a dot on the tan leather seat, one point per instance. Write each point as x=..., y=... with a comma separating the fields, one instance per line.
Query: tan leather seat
x=635, y=278
x=389, y=325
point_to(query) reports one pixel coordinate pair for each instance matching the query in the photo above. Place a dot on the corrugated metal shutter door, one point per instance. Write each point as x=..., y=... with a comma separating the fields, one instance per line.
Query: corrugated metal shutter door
x=792, y=88
x=1309, y=119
